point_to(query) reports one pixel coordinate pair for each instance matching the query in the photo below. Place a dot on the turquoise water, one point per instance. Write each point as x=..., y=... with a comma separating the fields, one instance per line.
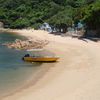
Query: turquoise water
x=14, y=72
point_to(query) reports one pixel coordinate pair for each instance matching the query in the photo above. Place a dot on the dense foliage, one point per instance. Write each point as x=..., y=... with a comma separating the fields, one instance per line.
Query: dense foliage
x=32, y=13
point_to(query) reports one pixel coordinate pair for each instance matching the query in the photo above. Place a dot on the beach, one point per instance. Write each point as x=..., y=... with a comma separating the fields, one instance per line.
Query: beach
x=74, y=77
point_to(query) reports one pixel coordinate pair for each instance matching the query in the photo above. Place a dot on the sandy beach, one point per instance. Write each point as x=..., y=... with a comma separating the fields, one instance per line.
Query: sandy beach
x=74, y=77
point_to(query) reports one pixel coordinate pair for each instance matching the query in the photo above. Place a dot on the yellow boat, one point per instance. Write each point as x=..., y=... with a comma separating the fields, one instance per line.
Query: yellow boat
x=40, y=55
x=40, y=59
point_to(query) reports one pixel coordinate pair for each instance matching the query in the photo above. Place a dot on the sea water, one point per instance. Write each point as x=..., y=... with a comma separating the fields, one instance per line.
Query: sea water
x=14, y=72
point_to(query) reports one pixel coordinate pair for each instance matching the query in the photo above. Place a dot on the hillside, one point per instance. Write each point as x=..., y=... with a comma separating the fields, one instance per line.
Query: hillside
x=32, y=13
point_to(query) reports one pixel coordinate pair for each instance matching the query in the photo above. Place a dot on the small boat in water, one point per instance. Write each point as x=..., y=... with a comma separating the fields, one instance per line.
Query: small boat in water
x=40, y=59
x=39, y=55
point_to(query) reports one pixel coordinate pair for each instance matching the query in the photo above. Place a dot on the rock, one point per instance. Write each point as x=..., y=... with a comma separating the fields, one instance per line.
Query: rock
x=29, y=44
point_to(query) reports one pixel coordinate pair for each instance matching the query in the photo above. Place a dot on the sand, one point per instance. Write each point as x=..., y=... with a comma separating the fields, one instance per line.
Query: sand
x=74, y=77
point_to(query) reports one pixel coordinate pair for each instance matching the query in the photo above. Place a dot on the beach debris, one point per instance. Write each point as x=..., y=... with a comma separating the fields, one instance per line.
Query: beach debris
x=26, y=44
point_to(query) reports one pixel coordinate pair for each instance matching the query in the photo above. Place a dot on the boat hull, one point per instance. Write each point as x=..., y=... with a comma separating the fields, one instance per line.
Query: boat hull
x=40, y=59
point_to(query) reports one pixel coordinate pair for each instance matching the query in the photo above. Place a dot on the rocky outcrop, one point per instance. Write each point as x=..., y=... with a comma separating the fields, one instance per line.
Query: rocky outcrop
x=28, y=44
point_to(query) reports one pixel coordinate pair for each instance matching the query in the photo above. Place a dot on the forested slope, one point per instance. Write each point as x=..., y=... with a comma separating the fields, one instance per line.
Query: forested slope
x=32, y=13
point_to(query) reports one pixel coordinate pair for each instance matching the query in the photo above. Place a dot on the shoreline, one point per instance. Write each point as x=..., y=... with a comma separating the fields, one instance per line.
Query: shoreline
x=30, y=82
x=74, y=77
x=38, y=74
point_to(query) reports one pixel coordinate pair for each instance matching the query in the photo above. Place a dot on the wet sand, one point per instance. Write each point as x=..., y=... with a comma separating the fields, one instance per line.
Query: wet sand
x=74, y=77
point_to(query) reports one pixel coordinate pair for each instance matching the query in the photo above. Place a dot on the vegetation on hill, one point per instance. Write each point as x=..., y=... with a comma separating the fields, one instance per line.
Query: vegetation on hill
x=60, y=13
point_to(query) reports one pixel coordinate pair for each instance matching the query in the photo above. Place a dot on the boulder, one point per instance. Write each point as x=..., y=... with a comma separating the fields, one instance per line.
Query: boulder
x=19, y=44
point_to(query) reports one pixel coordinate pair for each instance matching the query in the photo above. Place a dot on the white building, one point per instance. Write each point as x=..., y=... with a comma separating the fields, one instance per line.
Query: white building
x=1, y=25
x=46, y=26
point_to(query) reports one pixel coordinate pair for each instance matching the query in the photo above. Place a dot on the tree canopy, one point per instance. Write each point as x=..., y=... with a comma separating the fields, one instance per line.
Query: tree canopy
x=32, y=13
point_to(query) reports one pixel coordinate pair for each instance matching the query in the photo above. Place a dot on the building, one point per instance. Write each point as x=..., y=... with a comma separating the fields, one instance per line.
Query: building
x=46, y=27
x=1, y=25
